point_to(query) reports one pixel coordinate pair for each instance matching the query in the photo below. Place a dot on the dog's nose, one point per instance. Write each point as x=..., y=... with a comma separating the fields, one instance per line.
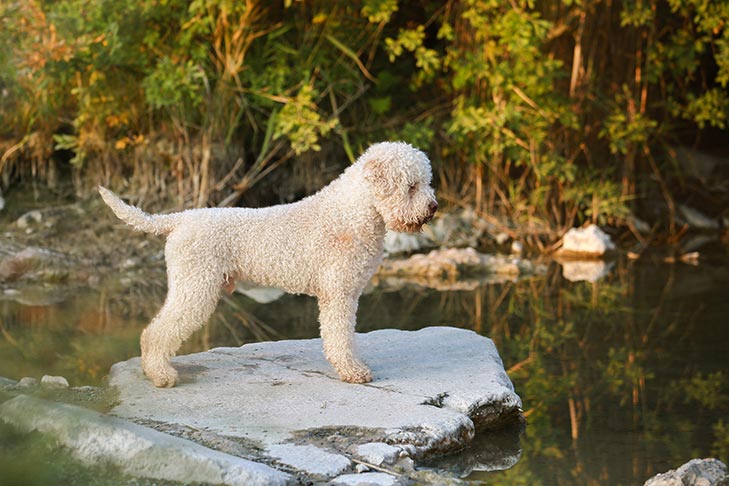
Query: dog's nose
x=432, y=207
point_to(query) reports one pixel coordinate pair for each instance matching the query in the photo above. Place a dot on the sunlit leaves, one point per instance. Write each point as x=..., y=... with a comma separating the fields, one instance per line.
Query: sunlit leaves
x=710, y=108
x=301, y=123
x=379, y=10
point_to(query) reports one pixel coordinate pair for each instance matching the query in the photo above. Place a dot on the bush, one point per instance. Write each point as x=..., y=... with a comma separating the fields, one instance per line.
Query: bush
x=547, y=114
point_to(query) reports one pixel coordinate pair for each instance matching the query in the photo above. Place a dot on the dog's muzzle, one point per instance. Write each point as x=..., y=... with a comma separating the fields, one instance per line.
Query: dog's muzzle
x=432, y=208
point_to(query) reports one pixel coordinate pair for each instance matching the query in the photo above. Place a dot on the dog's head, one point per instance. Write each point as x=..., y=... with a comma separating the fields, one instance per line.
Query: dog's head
x=399, y=177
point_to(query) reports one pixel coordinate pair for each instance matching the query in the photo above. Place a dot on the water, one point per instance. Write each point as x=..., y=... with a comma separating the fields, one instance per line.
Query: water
x=621, y=379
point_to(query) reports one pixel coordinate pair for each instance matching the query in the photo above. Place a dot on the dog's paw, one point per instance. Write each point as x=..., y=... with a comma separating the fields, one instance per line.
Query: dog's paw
x=162, y=377
x=358, y=373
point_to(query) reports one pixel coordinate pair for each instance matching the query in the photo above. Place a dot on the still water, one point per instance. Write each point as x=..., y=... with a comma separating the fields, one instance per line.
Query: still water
x=620, y=378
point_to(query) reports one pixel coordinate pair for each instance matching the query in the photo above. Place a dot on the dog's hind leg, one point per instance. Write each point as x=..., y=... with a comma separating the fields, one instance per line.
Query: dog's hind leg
x=337, y=318
x=186, y=309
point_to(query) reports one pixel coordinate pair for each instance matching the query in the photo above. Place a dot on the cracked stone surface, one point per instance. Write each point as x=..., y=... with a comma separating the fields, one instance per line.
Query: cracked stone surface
x=432, y=390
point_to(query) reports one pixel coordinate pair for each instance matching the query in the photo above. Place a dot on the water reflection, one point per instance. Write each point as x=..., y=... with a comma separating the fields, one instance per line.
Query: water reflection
x=490, y=451
x=621, y=377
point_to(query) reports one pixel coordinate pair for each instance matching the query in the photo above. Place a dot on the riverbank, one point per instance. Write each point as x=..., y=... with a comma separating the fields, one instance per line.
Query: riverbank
x=624, y=357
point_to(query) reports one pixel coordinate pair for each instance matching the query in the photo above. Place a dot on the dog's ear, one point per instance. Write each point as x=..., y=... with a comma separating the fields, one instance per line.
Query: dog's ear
x=376, y=173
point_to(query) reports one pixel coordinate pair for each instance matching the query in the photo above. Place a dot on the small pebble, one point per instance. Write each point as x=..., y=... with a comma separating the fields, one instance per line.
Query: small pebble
x=54, y=382
x=501, y=238
x=361, y=468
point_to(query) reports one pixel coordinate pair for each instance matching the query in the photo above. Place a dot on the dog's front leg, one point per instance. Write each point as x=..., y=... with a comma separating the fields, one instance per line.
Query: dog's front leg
x=337, y=318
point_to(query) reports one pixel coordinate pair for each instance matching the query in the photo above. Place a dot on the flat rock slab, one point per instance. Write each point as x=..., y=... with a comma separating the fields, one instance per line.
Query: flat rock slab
x=94, y=438
x=432, y=390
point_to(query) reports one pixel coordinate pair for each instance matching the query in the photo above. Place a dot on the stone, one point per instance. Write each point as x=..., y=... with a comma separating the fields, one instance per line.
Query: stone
x=453, y=265
x=136, y=450
x=365, y=479
x=395, y=242
x=34, y=216
x=702, y=165
x=590, y=241
x=456, y=229
x=27, y=382
x=54, y=382
x=34, y=263
x=501, y=238
x=696, y=472
x=696, y=219
x=432, y=390
x=378, y=453
x=309, y=458
x=7, y=382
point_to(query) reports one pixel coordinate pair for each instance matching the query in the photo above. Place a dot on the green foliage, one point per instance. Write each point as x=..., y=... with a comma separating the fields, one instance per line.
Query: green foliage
x=300, y=122
x=379, y=10
x=522, y=103
x=711, y=107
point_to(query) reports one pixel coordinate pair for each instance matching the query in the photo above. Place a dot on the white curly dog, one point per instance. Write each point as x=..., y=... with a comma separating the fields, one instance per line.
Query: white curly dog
x=327, y=245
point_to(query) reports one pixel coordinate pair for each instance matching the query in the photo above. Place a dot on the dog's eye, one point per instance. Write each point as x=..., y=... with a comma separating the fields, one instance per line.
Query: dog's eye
x=412, y=188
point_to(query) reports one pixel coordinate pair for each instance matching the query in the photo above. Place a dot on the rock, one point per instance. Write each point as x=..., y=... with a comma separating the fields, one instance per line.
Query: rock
x=136, y=450
x=455, y=264
x=53, y=382
x=33, y=263
x=378, y=453
x=433, y=390
x=587, y=271
x=7, y=382
x=696, y=472
x=517, y=248
x=25, y=221
x=309, y=458
x=456, y=229
x=405, y=242
x=27, y=382
x=586, y=242
x=501, y=238
x=130, y=263
x=696, y=219
x=702, y=165
x=365, y=479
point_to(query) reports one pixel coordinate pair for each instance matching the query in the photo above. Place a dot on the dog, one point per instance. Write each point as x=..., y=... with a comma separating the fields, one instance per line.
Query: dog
x=327, y=245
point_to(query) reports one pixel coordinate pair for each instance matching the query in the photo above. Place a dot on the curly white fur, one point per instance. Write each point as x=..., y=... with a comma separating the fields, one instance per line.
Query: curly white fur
x=327, y=245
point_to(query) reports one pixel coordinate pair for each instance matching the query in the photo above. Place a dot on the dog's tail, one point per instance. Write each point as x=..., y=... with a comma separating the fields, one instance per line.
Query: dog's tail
x=159, y=224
